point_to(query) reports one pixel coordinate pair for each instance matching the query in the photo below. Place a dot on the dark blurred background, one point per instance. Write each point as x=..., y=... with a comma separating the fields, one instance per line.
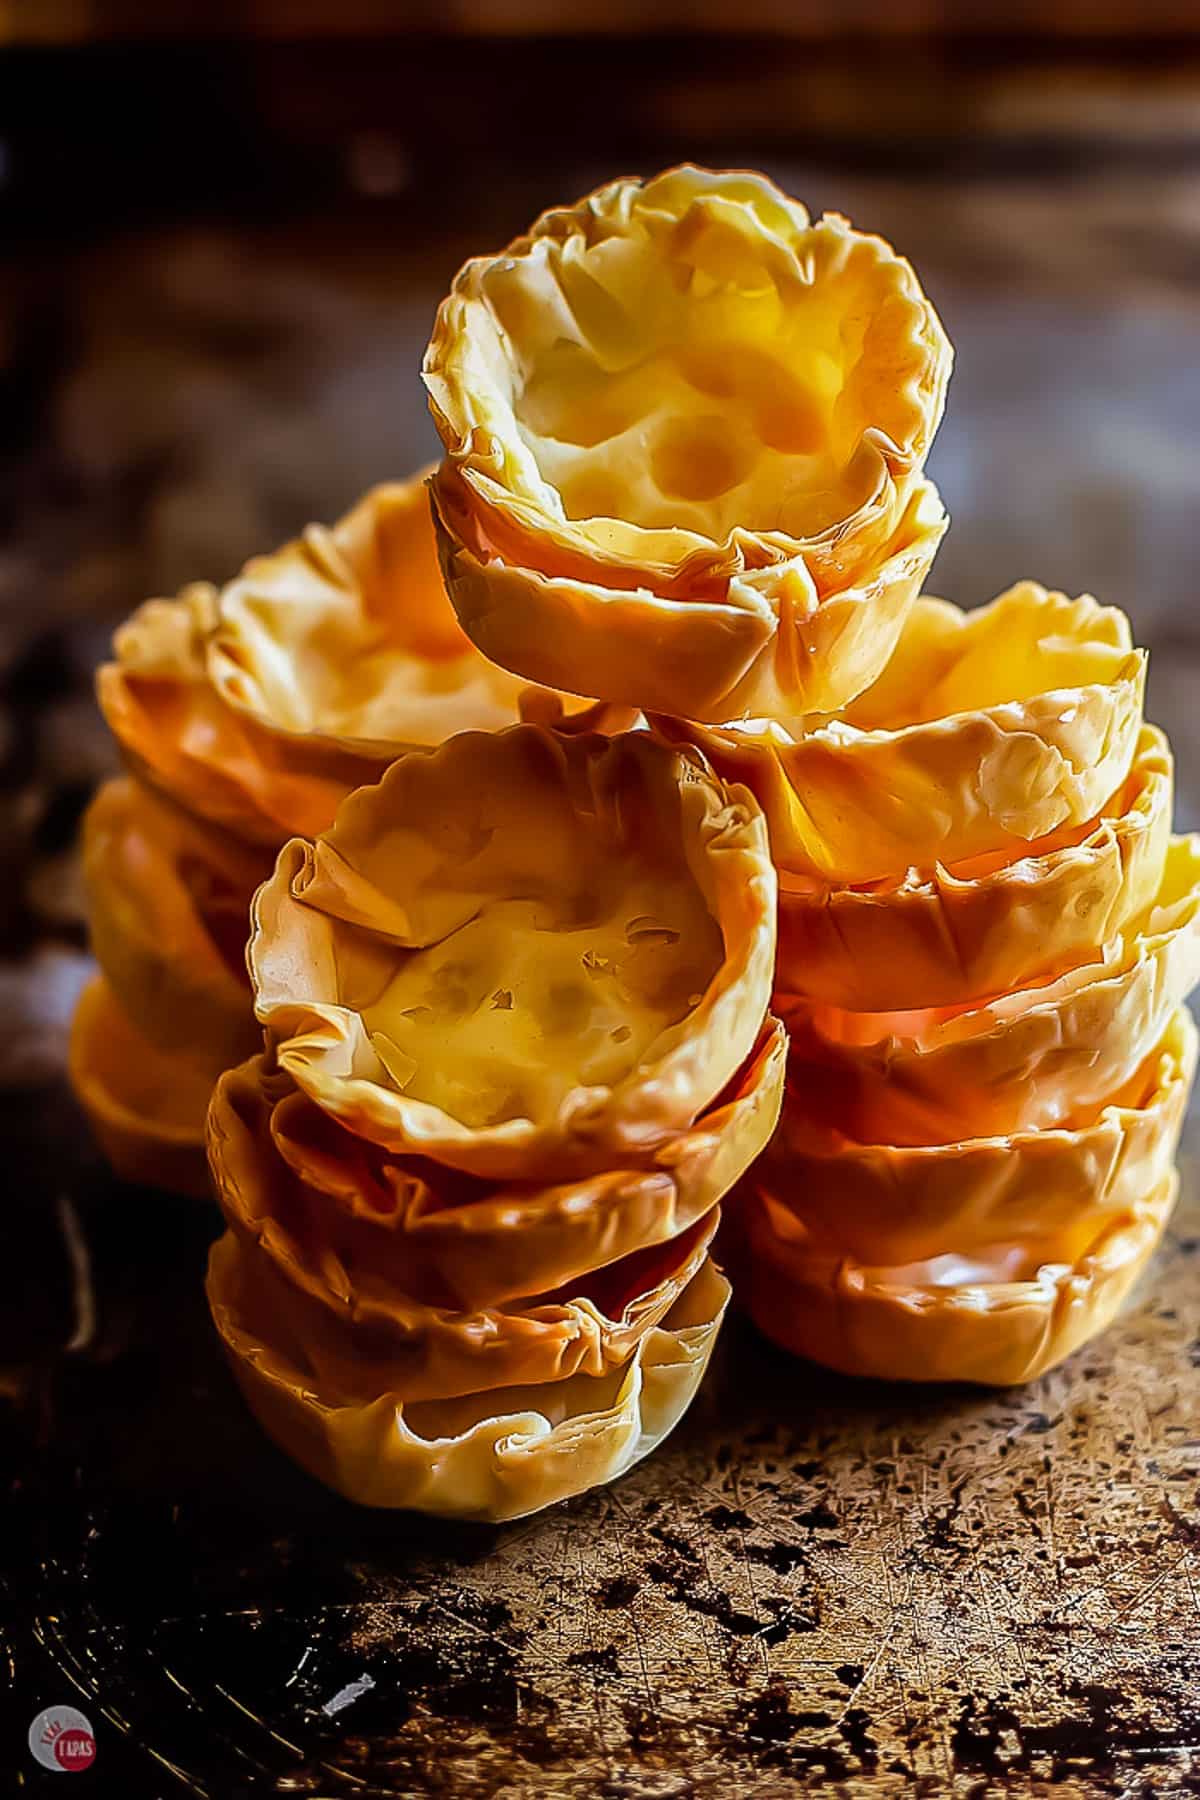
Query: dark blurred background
x=224, y=229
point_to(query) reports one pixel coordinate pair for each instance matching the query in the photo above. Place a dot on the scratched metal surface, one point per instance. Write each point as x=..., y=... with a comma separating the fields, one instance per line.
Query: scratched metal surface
x=815, y=1584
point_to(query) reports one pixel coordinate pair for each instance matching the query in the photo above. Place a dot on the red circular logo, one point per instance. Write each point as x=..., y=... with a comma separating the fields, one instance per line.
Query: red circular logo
x=75, y=1749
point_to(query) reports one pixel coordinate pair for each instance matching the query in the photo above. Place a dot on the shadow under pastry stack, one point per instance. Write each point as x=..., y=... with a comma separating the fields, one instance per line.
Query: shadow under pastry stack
x=795, y=895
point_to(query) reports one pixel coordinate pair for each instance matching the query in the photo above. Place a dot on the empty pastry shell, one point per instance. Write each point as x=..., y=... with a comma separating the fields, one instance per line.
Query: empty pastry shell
x=707, y=658
x=680, y=419
x=1033, y=1058
x=452, y=1240
x=885, y=1204
x=179, y=735
x=145, y=1106
x=259, y=707
x=988, y=731
x=998, y=1319
x=344, y=639
x=169, y=910
x=955, y=935
x=529, y=956
x=496, y=1455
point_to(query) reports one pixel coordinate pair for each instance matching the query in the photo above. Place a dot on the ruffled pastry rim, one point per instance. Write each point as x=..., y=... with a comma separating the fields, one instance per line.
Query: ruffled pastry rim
x=517, y=1239
x=239, y=790
x=499, y=1468
x=694, y=1059
x=1067, y=902
x=849, y=1317
x=230, y=765
x=961, y=750
x=324, y=554
x=701, y=657
x=427, y=1352
x=610, y=210
x=1033, y=1058
x=930, y=1200
x=140, y=1148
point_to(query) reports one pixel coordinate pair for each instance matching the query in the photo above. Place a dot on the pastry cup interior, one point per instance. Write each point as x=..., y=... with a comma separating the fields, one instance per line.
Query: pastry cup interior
x=345, y=636
x=523, y=954
x=667, y=370
x=1026, y=643
x=178, y=735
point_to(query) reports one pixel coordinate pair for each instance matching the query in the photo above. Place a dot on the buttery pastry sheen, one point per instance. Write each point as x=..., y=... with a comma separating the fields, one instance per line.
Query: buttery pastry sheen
x=685, y=427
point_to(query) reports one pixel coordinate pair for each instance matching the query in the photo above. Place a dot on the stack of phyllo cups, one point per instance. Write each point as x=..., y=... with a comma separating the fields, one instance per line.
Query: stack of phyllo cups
x=497, y=1048
x=685, y=432
x=516, y=1052
x=504, y=1046
x=986, y=937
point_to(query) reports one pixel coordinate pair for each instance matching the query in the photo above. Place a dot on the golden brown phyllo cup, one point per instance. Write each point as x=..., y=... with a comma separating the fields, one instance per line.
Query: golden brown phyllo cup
x=146, y=1106
x=343, y=642
x=685, y=428
x=261, y=706
x=496, y=1454
x=169, y=906
x=997, y=1323
x=985, y=1260
x=985, y=926
x=523, y=955
x=986, y=937
x=456, y=1240
x=246, y=716
x=341, y=1293
x=1024, y=1060
x=987, y=732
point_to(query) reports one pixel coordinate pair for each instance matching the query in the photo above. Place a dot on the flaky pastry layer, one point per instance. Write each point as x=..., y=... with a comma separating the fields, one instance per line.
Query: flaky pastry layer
x=997, y=1321
x=146, y=1106
x=987, y=732
x=497, y=1455
x=985, y=927
x=383, y=1223
x=1034, y=1058
x=682, y=420
x=887, y=1204
x=261, y=705
x=169, y=915
x=344, y=639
